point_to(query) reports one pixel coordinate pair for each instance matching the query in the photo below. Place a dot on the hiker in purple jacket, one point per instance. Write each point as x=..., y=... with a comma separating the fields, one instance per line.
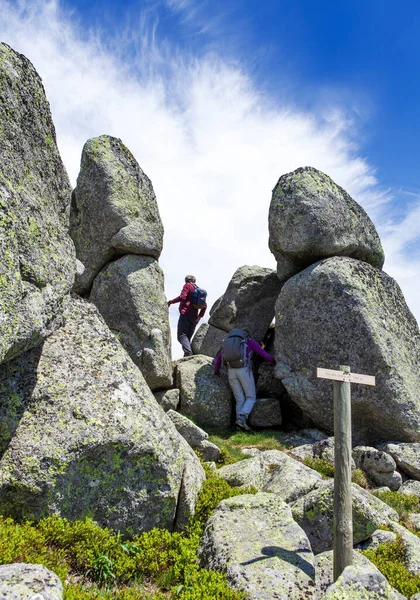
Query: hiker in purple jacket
x=241, y=379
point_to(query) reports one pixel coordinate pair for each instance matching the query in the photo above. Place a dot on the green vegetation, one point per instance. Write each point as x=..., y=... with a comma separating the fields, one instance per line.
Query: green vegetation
x=389, y=558
x=402, y=503
x=98, y=563
x=319, y=464
x=231, y=443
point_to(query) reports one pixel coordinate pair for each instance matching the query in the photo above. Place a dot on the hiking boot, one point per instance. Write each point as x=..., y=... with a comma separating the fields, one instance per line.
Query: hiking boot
x=241, y=422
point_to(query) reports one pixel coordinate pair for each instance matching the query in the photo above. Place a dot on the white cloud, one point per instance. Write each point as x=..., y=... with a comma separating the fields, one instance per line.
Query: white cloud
x=212, y=144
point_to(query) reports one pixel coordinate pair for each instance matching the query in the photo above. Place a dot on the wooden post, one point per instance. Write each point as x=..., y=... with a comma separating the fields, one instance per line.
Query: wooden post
x=343, y=520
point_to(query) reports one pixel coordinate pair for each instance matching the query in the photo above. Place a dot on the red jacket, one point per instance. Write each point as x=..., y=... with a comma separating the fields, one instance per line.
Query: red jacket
x=185, y=307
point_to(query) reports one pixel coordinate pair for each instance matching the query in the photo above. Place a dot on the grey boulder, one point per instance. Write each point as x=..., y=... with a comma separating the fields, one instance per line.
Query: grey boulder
x=314, y=513
x=407, y=457
x=23, y=581
x=204, y=396
x=129, y=294
x=266, y=413
x=248, y=302
x=86, y=438
x=254, y=540
x=311, y=218
x=362, y=583
x=379, y=466
x=37, y=264
x=208, y=340
x=168, y=399
x=113, y=210
x=196, y=437
x=344, y=311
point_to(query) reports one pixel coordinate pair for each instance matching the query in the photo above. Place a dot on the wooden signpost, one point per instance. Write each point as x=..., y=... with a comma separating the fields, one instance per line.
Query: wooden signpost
x=343, y=521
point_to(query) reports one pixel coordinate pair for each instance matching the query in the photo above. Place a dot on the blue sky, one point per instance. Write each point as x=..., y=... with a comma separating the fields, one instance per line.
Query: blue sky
x=218, y=99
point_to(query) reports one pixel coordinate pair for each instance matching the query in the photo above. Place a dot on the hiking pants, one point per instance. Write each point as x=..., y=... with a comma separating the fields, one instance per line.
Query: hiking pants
x=186, y=327
x=243, y=387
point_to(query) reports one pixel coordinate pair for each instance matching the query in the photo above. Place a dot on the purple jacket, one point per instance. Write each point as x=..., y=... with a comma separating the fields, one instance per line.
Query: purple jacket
x=252, y=346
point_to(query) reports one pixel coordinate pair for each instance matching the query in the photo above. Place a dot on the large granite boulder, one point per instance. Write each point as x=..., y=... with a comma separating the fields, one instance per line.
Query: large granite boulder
x=208, y=340
x=168, y=399
x=266, y=413
x=379, y=466
x=113, y=210
x=197, y=438
x=311, y=218
x=362, y=583
x=254, y=540
x=314, y=513
x=248, y=301
x=406, y=456
x=343, y=311
x=23, y=581
x=83, y=435
x=129, y=294
x=204, y=396
x=37, y=264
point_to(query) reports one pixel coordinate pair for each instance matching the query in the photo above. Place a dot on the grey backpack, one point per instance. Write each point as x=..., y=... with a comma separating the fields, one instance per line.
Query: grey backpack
x=234, y=349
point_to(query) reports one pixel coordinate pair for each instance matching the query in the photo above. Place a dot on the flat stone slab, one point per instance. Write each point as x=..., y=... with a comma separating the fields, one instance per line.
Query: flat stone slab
x=23, y=581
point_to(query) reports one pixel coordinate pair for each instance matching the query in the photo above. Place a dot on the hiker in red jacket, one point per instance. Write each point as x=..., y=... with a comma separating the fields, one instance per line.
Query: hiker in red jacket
x=189, y=316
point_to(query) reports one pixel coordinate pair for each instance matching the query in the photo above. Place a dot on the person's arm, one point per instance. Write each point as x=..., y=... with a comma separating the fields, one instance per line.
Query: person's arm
x=183, y=295
x=218, y=362
x=255, y=347
x=202, y=312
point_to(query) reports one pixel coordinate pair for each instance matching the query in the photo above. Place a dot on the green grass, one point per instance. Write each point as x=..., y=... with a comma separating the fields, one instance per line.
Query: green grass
x=320, y=465
x=402, y=503
x=98, y=563
x=231, y=442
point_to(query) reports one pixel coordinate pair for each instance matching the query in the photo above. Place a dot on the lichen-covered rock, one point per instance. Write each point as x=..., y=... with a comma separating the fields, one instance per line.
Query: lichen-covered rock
x=113, y=210
x=314, y=513
x=129, y=294
x=411, y=544
x=311, y=218
x=272, y=471
x=362, y=583
x=266, y=413
x=343, y=311
x=37, y=264
x=204, y=396
x=267, y=384
x=254, y=540
x=22, y=581
x=411, y=487
x=195, y=436
x=407, y=457
x=168, y=399
x=208, y=340
x=248, y=302
x=378, y=537
x=85, y=436
x=324, y=568
x=379, y=465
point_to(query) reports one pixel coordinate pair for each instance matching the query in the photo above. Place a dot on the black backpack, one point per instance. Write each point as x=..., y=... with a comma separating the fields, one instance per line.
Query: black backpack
x=198, y=297
x=234, y=349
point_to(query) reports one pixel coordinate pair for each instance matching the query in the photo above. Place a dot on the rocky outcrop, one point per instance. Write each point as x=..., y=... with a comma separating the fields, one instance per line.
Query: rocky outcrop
x=270, y=559
x=29, y=582
x=85, y=436
x=248, y=302
x=195, y=436
x=204, y=396
x=168, y=399
x=113, y=210
x=266, y=413
x=129, y=294
x=343, y=311
x=312, y=218
x=314, y=513
x=208, y=340
x=362, y=583
x=406, y=456
x=379, y=466
x=37, y=263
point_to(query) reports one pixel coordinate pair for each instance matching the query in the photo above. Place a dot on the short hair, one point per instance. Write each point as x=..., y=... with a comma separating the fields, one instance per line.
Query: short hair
x=189, y=279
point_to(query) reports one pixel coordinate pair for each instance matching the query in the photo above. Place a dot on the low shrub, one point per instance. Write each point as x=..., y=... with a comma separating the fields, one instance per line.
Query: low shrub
x=402, y=503
x=319, y=464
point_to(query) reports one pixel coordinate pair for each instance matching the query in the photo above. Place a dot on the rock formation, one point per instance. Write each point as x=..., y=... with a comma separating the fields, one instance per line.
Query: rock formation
x=37, y=263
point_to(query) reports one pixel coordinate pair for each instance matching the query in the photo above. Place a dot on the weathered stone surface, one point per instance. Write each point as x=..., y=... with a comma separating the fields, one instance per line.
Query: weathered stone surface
x=191, y=484
x=372, y=460
x=37, y=263
x=248, y=301
x=129, y=294
x=209, y=451
x=314, y=513
x=266, y=413
x=272, y=471
x=84, y=435
x=324, y=568
x=412, y=547
x=208, y=340
x=410, y=487
x=343, y=311
x=193, y=434
x=168, y=399
x=23, y=581
x=413, y=521
x=204, y=396
x=323, y=448
x=311, y=218
x=362, y=583
x=269, y=560
x=113, y=210
x=380, y=536
x=407, y=457
x=267, y=384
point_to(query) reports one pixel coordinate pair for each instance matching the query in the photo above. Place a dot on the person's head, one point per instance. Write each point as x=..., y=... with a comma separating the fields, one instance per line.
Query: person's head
x=189, y=279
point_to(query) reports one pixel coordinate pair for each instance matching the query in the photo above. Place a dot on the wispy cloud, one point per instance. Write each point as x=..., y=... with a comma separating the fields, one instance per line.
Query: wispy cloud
x=213, y=145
